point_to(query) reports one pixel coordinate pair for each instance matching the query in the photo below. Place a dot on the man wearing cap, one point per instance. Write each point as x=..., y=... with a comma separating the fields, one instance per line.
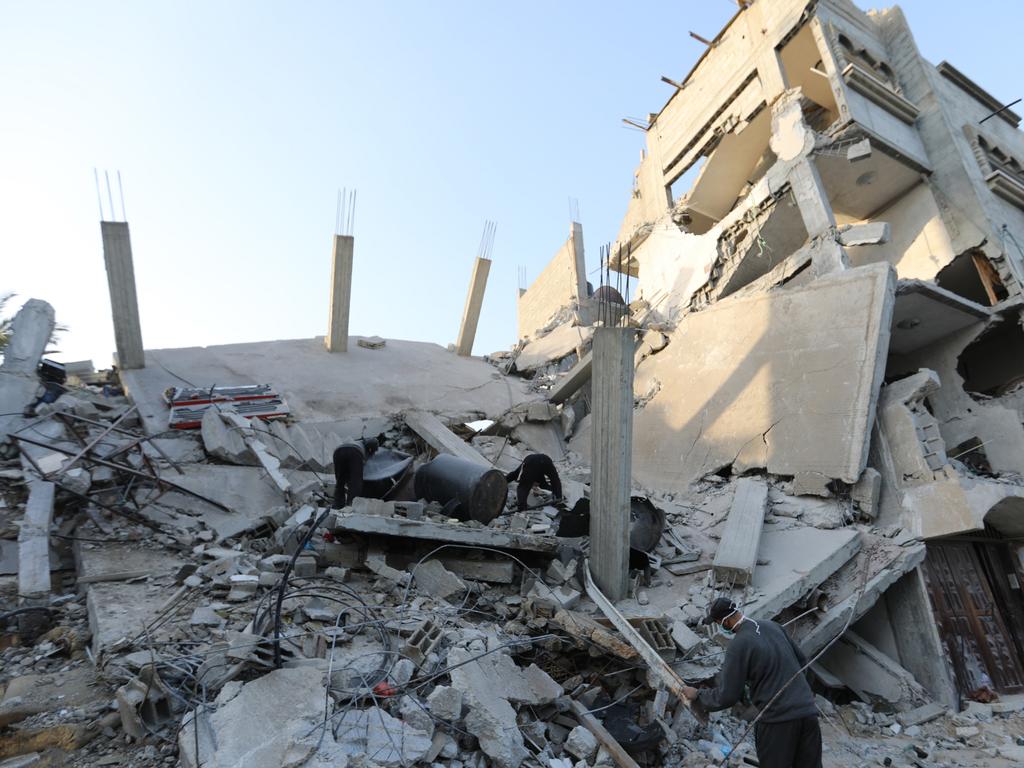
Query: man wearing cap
x=762, y=655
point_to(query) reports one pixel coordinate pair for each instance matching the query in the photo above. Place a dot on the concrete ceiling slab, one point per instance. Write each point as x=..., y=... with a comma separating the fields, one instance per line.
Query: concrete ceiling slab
x=925, y=313
x=857, y=190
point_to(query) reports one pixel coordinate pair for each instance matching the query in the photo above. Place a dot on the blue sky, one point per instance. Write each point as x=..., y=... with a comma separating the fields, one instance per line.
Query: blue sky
x=234, y=123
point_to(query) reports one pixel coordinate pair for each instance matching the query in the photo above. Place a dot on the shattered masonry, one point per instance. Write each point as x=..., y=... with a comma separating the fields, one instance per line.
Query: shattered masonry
x=827, y=426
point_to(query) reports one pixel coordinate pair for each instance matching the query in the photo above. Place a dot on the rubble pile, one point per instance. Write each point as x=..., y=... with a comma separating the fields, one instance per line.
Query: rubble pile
x=204, y=605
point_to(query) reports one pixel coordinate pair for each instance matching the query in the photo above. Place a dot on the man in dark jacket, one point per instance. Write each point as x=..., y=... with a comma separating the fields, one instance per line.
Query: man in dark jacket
x=762, y=655
x=536, y=469
x=349, y=458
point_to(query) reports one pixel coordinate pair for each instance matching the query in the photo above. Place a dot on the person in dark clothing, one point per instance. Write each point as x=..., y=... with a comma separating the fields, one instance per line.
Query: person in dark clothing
x=349, y=458
x=762, y=655
x=536, y=469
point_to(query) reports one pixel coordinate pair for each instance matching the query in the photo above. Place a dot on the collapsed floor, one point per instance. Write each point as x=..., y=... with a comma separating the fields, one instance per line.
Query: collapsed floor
x=201, y=604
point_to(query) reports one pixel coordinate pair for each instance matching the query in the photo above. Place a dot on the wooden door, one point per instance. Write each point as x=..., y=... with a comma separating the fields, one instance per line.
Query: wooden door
x=970, y=620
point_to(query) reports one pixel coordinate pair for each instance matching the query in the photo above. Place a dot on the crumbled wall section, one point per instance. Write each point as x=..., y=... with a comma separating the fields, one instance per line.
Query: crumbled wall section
x=562, y=283
x=741, y=388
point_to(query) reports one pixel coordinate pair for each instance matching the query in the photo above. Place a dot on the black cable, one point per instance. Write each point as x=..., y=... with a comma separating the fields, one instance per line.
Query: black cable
x=284, y=584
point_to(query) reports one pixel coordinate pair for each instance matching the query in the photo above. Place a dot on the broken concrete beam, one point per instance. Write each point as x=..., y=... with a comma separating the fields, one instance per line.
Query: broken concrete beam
x=921, y=715
x=493, y=571
x=446, y=532
x=474, y=303
x=30, y=331
x=736, y=556
x=571, y=382
x=29, y=334
x=795, y=561
x=34, y=542
x=373, y=732
x=872, y=233
x=619, y=755
x=442, y=439
x=871, y=674
x=223, y=441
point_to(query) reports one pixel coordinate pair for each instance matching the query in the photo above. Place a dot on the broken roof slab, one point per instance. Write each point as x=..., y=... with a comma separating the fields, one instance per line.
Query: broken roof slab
x=319, y=386
x=785, y=380
x=925, y=313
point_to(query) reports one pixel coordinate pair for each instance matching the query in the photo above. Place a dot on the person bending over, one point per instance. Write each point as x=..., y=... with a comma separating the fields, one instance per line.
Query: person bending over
x=536, y=469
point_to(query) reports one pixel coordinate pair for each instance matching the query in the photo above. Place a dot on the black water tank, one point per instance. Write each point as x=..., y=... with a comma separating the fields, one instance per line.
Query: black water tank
x=480, y=492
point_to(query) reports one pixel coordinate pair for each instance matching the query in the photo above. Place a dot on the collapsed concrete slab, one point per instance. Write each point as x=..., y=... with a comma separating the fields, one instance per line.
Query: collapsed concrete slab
x=254, y=725
x=871, y=674
x=786, y=381
x=323, y=388
x=562, y=284
x=795, y=561
x=551, y=348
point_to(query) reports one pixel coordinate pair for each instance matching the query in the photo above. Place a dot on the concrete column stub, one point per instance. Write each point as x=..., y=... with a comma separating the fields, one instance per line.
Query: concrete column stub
x=124, y=303
x=612, y=453
x=341, y=293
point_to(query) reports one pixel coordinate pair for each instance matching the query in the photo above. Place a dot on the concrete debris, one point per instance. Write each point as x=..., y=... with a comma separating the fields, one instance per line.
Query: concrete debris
x=737, y=551
x=827, y=428
x=382, y=738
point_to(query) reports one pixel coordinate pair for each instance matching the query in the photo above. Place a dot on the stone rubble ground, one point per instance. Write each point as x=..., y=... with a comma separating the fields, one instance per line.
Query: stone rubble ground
x=494, y=686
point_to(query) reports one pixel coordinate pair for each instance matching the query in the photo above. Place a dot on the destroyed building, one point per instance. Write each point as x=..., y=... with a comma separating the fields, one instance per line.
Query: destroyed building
x=808, y=396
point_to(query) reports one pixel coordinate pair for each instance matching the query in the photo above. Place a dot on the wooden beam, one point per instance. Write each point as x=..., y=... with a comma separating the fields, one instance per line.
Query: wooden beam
x=988, y=275
x=592, y=724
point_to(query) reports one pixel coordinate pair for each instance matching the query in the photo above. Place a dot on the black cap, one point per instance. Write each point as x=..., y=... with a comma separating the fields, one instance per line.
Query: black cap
x=720, y=608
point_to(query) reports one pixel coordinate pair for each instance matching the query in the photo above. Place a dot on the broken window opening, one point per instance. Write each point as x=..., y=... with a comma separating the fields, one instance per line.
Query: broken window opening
x=803, y=68
x=993, y=364
x=725, y=175
x=971, y=453
x=973, y=276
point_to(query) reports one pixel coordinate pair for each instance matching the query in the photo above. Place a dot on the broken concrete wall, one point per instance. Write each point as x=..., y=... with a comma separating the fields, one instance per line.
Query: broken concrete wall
x=962, y=417
x=948, y=101
x=563, y=283
x=785, y=381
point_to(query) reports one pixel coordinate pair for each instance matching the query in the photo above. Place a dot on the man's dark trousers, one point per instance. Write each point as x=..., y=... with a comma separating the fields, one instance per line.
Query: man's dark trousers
x=790, y=744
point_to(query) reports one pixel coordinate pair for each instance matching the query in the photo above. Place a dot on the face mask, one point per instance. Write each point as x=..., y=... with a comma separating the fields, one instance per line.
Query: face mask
x=728, y=634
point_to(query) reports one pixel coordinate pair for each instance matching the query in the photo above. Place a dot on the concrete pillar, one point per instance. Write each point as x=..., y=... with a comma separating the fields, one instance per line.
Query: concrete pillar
x=341, y=293
x=124, y=304
x=611, y=458
x=471, y=312
x=579, y=260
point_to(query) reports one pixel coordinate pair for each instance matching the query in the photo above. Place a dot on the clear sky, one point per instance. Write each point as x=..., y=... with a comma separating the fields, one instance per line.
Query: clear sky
x=234, y=123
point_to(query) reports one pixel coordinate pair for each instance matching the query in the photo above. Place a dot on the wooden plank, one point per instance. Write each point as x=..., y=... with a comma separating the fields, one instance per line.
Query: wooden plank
x=571, y=382
x=737, y=551
x=658, y=667
x=988, y=275
x=442, y=439
x=592, y=724
x=34, y=541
